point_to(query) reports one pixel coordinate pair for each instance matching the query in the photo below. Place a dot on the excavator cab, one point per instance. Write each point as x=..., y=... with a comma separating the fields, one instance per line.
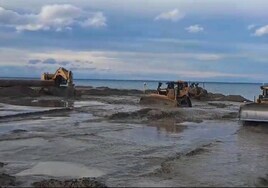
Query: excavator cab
x=61, y=77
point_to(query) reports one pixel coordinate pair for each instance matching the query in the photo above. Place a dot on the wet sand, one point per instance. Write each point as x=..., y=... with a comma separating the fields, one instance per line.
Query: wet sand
x=119, y=142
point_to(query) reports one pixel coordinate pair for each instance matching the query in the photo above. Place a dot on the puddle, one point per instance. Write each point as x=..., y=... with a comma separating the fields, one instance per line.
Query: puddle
x=78, y=104
x=61, y=169
x=52, y=103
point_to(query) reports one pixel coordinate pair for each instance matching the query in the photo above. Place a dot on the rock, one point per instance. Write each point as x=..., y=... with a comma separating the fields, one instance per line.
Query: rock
x=2, y=165
x=82, y=182
x=7, y=180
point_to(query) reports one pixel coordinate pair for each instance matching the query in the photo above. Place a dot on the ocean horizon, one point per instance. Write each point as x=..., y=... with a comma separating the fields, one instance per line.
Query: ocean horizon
x=247, y=90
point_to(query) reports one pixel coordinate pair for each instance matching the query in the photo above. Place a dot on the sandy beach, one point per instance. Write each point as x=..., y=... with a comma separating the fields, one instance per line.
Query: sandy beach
x=105, y=137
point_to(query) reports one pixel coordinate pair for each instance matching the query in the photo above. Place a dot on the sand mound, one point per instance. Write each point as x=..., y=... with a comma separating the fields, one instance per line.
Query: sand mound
x=221, y=97
x=17, y=91
x=146, y=114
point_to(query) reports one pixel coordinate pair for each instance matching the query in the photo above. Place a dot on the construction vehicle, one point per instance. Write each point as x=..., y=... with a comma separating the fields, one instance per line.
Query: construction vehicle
x=256, y=111
x=197, y=92
x=60, y=77
x=176, y=93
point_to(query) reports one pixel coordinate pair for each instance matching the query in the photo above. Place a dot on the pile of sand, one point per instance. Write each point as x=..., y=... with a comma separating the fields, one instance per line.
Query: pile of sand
x=221, y=97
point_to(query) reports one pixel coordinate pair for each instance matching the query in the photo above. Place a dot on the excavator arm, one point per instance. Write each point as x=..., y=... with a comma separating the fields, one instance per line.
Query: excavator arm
x=61, y=77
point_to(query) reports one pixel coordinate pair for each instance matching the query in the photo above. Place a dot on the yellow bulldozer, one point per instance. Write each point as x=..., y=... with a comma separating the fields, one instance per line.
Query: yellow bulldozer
x=175, y=94
x=61, y=77
x=256, y=111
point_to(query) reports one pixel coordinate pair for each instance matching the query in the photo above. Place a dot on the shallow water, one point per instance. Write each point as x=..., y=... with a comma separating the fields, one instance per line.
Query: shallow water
x=129, y=154
x=61, y=169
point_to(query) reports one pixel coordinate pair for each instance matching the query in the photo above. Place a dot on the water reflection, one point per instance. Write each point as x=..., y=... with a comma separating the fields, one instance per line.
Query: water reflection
x=168, y=126
x=52, y=103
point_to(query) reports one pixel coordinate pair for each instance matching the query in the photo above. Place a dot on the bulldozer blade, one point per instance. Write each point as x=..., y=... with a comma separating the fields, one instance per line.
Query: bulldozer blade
x=254, y=112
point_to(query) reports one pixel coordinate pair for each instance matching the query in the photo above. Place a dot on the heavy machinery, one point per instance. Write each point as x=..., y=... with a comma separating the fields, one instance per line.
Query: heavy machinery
x=256, y=111
x=197, y=92
x=60, y=77
x=176, y=93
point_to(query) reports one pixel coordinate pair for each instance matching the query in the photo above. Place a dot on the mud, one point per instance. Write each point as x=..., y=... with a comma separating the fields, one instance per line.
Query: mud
x=7, y=180
x=218, y=105
x=178, y=115
x=25, y=115
x=17, y=91
x=167, y=167
x=105, y=91
x=262, y=181
x=83, y=182
x=109, y=139
x=221, y=97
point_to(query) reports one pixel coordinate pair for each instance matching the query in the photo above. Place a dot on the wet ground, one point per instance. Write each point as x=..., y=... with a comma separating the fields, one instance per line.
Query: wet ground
x=122, y=143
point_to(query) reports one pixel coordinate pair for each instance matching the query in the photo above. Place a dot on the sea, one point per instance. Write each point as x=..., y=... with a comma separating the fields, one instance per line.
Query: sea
x=248, y=90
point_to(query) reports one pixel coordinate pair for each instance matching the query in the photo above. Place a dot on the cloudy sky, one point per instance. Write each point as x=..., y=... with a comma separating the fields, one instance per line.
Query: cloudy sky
x=204, y=40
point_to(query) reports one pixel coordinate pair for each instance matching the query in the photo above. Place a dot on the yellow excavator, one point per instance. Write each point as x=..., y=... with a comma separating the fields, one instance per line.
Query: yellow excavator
x=256, y=111
x=175, y=94
x=61, y=77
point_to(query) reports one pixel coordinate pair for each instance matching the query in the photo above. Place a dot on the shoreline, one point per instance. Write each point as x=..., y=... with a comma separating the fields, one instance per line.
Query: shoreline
x=107, y=131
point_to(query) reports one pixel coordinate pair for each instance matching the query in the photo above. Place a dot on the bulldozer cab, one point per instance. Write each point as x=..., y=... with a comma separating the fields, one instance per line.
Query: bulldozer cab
x=264, y=91
x=174, y=90
x=264, y=97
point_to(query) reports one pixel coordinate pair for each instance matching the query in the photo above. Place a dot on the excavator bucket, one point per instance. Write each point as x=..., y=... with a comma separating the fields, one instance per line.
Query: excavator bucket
x=254, y=112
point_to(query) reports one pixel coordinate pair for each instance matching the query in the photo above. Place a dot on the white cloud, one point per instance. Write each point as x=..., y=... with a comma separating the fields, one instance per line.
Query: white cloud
x=51, y=17
x=208, y=57
x=255, y=9
x=112, y=63
x=173, y=15
x=98, y=20
x=194, y=29
x=251, y=26
x=261, y=31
